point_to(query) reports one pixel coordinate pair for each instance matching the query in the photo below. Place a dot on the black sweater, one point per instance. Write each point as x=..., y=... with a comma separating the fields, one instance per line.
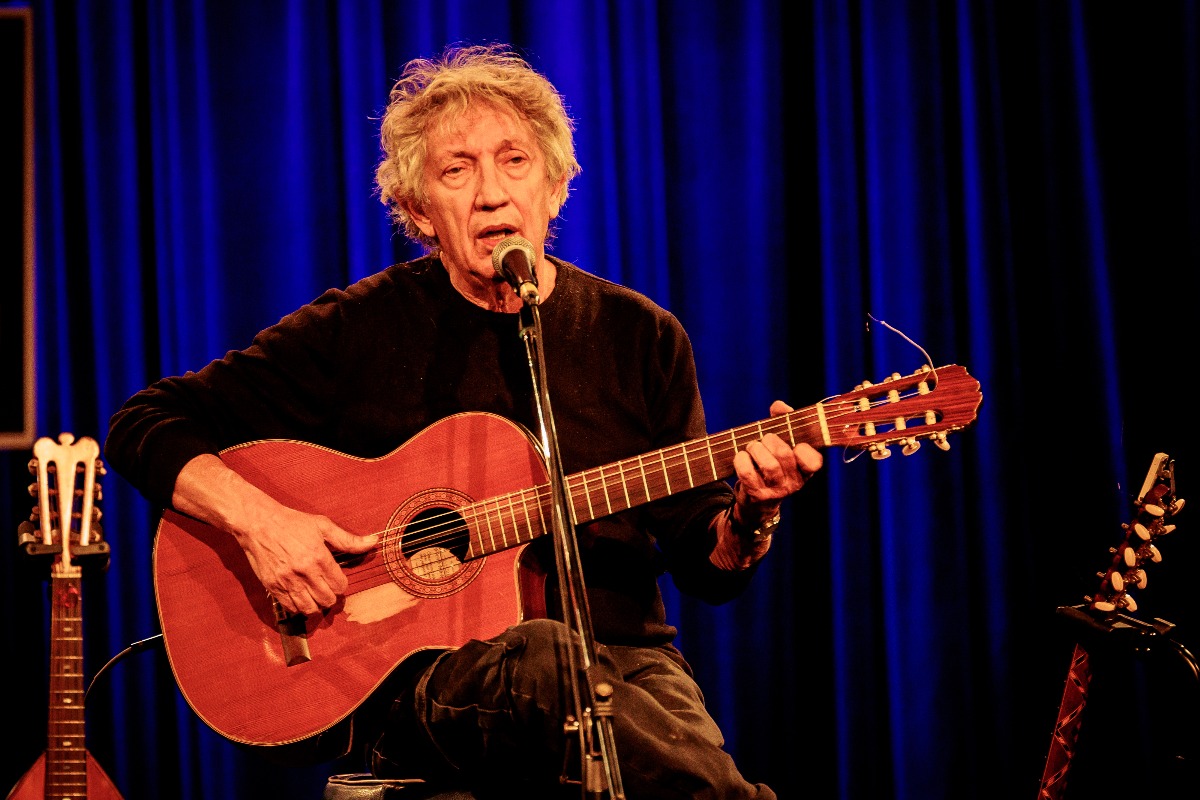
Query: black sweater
x=363, y=370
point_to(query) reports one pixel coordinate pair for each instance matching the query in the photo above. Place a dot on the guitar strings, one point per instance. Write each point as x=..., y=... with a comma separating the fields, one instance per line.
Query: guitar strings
x=448, y=530
x=451, y=535
x=654, y=484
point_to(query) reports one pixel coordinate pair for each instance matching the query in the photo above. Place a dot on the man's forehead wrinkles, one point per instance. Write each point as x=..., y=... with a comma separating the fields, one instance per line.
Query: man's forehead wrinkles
x=463, y=151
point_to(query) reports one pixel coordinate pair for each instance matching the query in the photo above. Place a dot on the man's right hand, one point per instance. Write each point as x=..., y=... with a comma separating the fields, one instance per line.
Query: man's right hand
x=291, y=552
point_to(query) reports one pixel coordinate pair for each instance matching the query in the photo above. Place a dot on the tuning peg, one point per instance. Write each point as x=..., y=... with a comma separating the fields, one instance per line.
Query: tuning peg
x=1155, y=556
x=1128, y=603
x=1177, y=506
x=1138, y=578
x=880, y=451
x=1142, y=531
x=939, y=439
x=1153, y=510
x=911, y=445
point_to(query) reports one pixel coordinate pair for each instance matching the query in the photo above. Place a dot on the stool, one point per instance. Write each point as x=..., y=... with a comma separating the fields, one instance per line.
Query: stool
x=365, y=786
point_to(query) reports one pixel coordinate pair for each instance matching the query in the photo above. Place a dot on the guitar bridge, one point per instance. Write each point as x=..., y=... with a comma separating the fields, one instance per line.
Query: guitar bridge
x=293, y=635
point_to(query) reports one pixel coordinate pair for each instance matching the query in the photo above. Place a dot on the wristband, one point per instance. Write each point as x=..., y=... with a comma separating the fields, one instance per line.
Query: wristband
x=744, y=532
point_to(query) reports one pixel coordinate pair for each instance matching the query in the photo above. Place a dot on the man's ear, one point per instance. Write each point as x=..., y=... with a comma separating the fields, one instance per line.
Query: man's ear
x=555, y=194
x=423, y=223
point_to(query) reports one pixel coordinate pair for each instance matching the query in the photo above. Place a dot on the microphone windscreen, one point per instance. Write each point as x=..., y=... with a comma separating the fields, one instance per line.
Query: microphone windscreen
x=506, y=246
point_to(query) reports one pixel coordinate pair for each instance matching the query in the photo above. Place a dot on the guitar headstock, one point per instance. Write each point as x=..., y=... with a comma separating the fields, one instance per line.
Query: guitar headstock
x=65, y=522
x=1155, y=506
x=904, y=409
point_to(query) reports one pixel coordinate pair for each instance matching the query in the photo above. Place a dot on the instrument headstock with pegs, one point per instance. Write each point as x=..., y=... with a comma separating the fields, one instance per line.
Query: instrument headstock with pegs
x=65, y=522
x=1155, y=506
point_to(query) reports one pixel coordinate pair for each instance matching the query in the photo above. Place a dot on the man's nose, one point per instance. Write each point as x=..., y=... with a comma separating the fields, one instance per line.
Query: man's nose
x=492, y=191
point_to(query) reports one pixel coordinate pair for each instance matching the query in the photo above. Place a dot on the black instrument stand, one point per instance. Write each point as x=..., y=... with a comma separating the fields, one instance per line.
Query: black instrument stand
x=1130, y=634
x=1139, y=736
x=591, y=693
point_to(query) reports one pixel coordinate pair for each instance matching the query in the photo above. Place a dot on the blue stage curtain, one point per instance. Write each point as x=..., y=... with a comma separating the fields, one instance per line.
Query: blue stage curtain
x=826, y=192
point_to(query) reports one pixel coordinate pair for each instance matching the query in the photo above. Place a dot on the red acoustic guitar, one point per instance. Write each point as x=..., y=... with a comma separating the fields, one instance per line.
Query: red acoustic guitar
x=455, y=506
x=66, y=473
x=1156, y=504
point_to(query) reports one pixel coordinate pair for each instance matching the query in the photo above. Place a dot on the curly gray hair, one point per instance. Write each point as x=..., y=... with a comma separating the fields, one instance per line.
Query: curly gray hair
x=432, y=92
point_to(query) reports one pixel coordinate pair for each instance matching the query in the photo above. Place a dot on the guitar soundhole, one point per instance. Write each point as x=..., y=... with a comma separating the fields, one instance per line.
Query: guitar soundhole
x=429, y=557
x=435, y=542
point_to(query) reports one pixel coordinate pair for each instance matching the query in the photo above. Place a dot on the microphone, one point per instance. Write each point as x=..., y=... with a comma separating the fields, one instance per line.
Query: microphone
x=513, y=259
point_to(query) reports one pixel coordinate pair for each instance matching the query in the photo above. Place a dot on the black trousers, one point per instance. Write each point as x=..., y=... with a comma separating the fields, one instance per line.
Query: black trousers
x=489, y=716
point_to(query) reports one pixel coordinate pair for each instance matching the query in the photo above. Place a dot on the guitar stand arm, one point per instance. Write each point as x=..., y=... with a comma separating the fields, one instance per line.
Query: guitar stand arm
x=1119, y=632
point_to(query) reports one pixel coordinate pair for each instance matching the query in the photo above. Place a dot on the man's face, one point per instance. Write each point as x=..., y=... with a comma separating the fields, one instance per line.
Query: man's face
x=485, y=176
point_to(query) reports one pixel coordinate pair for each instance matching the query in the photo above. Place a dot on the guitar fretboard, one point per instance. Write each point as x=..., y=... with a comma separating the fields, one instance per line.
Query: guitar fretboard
x=870, y=417
x=66, y=753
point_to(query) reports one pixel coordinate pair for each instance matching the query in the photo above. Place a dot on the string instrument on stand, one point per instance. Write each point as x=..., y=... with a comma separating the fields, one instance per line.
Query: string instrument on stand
x=1104, y=615
x=65, y=527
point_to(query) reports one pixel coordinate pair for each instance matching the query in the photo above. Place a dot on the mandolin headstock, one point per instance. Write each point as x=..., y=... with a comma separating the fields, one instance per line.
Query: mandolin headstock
x=65, y=521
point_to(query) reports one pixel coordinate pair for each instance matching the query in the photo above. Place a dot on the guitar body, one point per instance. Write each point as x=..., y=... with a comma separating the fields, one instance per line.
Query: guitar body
x=32, y=785
x=231, y=657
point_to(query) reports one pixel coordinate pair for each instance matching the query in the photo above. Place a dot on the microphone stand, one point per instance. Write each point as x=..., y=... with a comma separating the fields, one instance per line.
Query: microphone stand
x=592, y=720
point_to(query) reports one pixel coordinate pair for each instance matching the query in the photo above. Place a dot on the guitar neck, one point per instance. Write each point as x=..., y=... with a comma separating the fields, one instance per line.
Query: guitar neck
x=871, y=417
x=1066, y=727
x=66, y=755
x=635, y=481
x=520, y=517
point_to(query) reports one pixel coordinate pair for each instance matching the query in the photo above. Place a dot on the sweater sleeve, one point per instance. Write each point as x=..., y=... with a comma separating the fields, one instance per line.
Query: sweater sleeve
x=273, y=388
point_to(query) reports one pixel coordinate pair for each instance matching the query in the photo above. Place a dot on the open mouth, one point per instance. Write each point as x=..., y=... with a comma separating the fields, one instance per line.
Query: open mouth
x=497, y=234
